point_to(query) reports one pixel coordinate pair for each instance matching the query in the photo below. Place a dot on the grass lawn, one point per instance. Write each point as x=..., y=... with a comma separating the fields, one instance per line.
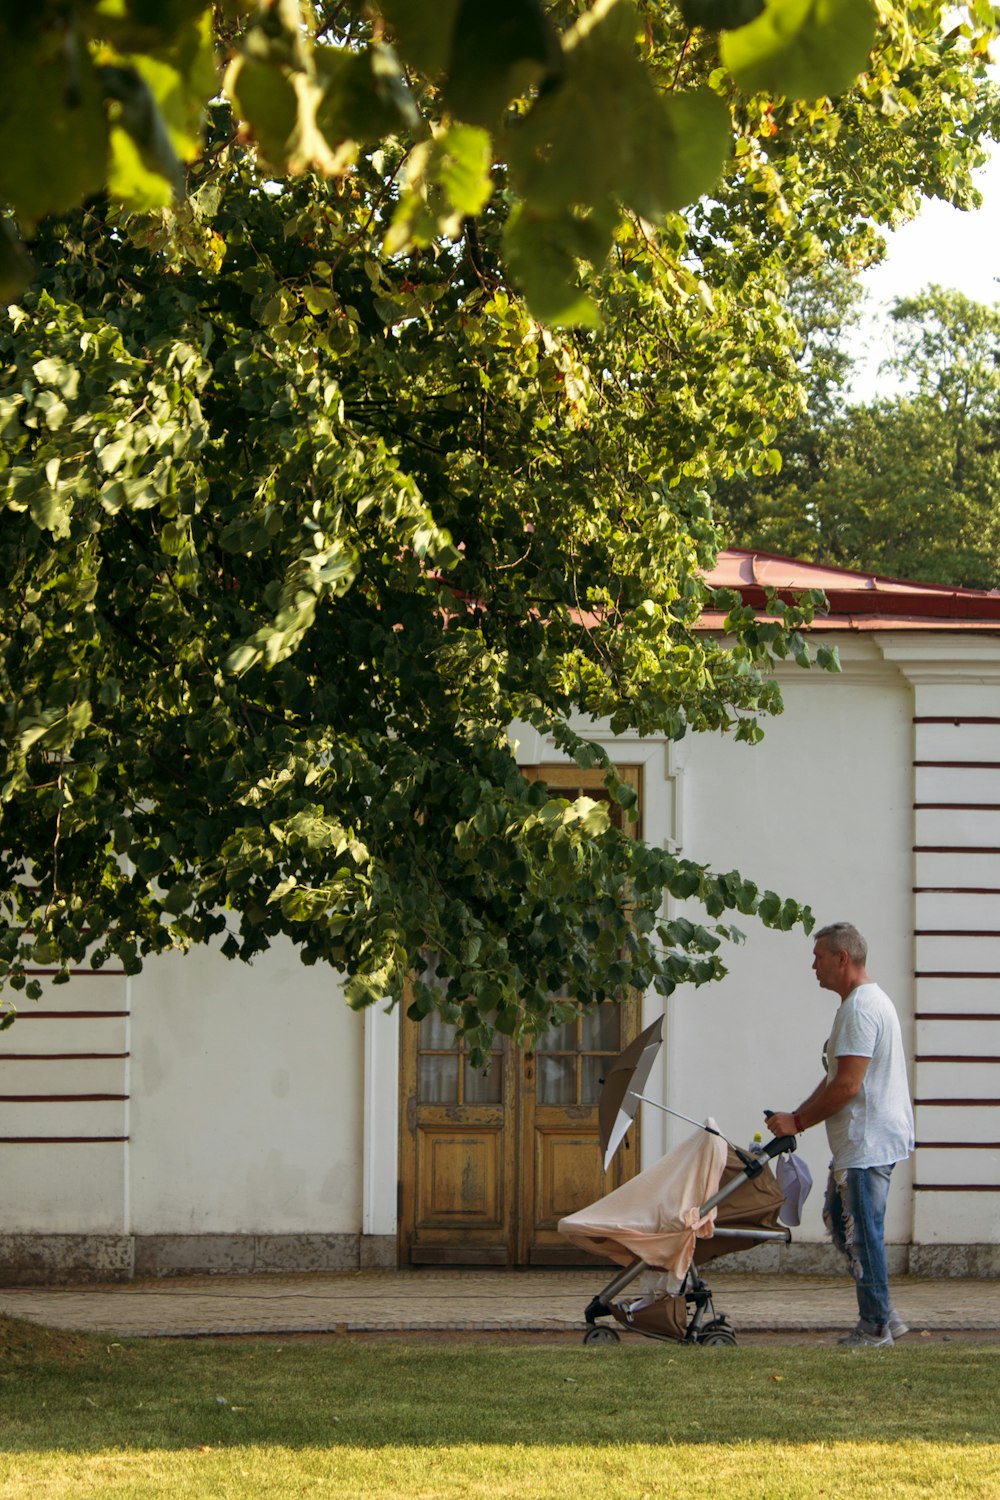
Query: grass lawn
x=82, y=1416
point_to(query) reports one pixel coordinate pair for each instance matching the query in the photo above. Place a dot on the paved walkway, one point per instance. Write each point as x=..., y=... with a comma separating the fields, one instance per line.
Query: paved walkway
x=426, y=1300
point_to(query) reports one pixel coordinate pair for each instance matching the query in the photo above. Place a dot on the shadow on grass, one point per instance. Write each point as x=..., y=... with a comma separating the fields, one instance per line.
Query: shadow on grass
x=90, y=1393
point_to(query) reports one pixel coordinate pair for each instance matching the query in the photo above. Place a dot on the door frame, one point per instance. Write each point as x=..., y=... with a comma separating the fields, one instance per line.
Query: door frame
x=510, y=1241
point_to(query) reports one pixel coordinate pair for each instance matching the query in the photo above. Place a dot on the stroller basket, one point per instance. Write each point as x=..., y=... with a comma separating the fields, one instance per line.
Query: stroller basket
x=746, y=1202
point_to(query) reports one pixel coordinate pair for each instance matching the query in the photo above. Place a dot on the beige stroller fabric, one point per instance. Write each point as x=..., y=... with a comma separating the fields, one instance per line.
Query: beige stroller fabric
x=655, y=1217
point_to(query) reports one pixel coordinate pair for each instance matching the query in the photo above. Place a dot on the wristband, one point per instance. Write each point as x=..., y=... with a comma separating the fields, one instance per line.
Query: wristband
x=799, y=1127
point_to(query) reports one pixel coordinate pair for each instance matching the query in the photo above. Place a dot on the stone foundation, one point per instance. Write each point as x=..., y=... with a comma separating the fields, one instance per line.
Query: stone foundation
x=39, y=1260
x=58, y=1259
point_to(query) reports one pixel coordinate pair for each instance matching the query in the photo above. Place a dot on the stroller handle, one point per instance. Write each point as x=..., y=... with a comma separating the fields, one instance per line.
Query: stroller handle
x=779, y=1145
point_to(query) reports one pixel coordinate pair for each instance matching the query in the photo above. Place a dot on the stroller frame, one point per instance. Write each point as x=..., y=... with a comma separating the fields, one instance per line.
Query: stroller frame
x=694, y=1289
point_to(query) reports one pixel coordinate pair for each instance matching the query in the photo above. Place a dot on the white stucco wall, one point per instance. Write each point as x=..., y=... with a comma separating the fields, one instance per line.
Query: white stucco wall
x=821, y=811
x=247, y=1087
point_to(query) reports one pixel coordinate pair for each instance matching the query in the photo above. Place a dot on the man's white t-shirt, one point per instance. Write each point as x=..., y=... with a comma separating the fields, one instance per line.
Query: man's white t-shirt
x=876, y=1126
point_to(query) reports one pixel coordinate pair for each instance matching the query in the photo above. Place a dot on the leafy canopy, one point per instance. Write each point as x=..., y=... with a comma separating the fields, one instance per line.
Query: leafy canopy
x=305, y=505
x=622, y=105
x=287, y=548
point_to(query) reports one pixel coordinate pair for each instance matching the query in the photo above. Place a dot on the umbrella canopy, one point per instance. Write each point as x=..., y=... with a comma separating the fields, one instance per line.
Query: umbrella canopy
x=626, y=1077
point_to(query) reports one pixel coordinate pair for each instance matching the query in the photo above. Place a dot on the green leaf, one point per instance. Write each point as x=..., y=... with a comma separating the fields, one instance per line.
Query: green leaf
x=57, y=372
x=720, y=15
x=16, y=266
x=50, y=512
x=661, y=153
x=769, y=908
x=802, y=49
x=567, y=151
x=178, y=898
x=463, y=167
x=53, y=137
x=165, y=18
x=355, y=104
x=55, y=411
x=544, y=254
x=423, y=32
x=688, y=139
x=267, y=101
x=145, y=170
x=131, y=181
x=593, y=817
x=497, y=53
x=447, y=180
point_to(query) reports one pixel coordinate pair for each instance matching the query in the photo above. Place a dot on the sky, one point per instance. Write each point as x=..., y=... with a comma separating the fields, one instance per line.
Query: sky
x=956, y=250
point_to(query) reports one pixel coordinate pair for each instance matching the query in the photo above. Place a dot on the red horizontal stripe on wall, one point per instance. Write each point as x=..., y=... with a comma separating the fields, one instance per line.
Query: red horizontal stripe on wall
x=961, y=765
x=956, y=1187
x=955, y=932
x=59, y=1140
x=957, y=806
x=944, y=1015
x=923, y=1057
x=951, y=974
x=70, y=1015
x=955, y=719
x=957, y=1146
x=957, y=1103
x=956, y=890
x=62, y=1098
x=71, y=1056
x=954, y=849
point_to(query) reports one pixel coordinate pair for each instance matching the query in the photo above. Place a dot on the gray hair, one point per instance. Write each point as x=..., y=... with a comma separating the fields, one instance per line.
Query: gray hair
x=844, y=937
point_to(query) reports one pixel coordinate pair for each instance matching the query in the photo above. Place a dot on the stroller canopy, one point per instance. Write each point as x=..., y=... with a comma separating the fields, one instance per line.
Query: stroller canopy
x=656, y=1216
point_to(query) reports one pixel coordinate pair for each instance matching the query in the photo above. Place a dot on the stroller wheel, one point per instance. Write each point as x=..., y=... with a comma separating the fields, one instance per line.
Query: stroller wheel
x=599, y=1333
x=718, y=1335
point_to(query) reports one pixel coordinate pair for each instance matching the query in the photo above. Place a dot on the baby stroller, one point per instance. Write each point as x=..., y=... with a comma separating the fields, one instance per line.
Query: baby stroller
x=705, y=1199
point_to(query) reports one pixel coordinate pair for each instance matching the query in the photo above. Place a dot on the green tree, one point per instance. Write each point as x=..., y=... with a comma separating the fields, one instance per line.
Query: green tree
x=304, y=506
x=906, y=485
x=775, y=510
x=293, y=534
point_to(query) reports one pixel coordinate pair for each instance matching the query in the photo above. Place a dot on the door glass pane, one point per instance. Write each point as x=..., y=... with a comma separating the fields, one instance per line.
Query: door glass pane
x=592, y=1071
x=602, y=1028
x=436, y=1034
x=437, y=1080
x=556, y=1080
x=559, y=1039
x=484, y=1088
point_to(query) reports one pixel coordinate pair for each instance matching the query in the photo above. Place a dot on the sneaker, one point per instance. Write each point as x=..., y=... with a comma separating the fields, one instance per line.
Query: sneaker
x=896, y=1326
x=859, y=1339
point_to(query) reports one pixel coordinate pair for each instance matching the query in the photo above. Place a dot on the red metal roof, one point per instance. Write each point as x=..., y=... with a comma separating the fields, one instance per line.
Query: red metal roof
x=858, y=601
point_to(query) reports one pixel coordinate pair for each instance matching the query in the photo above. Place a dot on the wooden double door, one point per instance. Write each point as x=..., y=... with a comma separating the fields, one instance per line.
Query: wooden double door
x=490, y=1161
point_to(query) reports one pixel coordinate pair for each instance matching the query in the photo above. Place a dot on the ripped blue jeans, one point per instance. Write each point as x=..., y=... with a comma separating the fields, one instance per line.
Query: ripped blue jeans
x=854, y=1214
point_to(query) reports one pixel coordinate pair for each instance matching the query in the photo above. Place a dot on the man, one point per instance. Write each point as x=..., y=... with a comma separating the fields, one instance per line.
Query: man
x=865, y=1102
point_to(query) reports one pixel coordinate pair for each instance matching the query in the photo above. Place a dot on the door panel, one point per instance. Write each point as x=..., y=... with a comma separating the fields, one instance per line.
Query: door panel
x=460, y=1174
x=561, y=1168
x=457, y=1180
x=490, y=1162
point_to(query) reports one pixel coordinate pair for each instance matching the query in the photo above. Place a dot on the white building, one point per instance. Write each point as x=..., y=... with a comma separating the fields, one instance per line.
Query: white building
x=208, y=1116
